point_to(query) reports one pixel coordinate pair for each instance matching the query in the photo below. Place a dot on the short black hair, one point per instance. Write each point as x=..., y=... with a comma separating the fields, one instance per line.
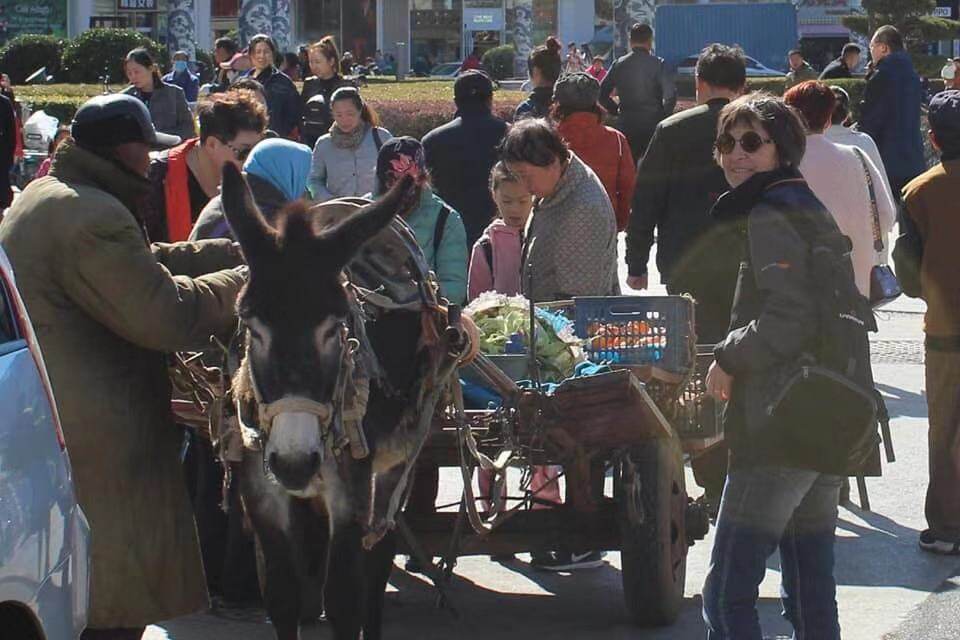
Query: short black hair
x=890, y=36
x=291, y=59
x=262, y=37
x=641, y=33
x=851, y=47
x=783, y=124
x=722, y=66
x=795, y=52
x=534, y=141
x=227, y=44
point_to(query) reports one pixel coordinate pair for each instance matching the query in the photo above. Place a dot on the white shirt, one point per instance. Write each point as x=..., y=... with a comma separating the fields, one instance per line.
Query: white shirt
x=836, y=176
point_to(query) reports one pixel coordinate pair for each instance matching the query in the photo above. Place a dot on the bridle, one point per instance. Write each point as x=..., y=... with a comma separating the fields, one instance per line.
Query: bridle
x=328, y=414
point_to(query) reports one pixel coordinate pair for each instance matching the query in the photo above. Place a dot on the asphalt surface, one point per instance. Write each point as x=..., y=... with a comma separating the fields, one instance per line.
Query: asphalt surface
x=888, y=588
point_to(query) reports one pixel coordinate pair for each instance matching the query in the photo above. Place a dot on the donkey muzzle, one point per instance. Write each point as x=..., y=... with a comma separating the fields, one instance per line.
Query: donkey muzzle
x=295, y=448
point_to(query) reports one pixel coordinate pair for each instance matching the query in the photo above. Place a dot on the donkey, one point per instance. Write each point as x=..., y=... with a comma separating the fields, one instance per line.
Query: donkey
x=321, y=500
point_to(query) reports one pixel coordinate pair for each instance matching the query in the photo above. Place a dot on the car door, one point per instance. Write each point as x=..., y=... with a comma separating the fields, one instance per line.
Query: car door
x=43, y=535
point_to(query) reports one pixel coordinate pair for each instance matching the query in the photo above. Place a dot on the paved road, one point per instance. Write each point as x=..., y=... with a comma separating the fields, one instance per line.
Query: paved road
x=887, y=587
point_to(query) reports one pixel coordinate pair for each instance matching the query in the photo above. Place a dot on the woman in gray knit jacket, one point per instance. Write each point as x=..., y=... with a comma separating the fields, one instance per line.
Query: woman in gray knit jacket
x=345, y=160
x=571, y=238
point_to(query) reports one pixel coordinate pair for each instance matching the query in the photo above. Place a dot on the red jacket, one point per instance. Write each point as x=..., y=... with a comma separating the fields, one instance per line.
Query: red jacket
x=607, y=152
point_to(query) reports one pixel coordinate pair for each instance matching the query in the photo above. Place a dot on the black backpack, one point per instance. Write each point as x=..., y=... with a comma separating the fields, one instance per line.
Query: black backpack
x=316, y=118
x=827, y=410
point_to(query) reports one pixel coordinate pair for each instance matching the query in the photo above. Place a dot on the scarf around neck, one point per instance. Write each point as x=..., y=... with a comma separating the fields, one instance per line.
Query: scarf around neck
x=349, y=140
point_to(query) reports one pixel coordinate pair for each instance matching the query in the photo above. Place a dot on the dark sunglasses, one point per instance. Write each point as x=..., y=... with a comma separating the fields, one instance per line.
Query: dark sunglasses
x=240, y=154
x=749, y=142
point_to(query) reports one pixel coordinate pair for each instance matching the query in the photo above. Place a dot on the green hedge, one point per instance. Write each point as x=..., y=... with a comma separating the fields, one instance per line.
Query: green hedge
x=499, y=62
x=96, y=52
x=25, y=54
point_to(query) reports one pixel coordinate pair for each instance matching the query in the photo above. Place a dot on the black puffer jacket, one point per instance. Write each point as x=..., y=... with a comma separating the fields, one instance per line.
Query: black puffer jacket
x=774, y=317
x=284, y=105
x=314, y=86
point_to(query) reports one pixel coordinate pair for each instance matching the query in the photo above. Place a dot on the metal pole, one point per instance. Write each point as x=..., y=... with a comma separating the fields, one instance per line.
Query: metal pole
x=343, y=46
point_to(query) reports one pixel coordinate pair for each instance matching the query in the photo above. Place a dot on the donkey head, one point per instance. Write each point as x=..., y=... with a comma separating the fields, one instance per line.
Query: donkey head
x=296, y=311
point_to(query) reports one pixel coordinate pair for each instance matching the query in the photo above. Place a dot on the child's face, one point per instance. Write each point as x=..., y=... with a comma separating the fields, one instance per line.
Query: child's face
x=514, y=202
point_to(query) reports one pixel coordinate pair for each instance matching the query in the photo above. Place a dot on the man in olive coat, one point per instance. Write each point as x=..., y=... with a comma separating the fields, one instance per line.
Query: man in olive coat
x=106, y=307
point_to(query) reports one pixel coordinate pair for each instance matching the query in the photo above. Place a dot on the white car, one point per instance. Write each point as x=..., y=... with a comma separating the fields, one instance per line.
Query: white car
x=446, y=70
x=688, y=67
x=44, y=536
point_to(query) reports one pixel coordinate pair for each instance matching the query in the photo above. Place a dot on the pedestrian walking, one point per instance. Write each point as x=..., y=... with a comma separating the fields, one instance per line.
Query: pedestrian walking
x=544, y=66
x=930, y=201
x=597, y=70
x=166, y=102
x=181, y=76
x=843, y=66
x=8, y=148
x=113, y=307
x=461, y=153
x=770, y=499
x=345, y=160
x=645, y=90
x=284, y=106
x=185, y=178
x=225, y=51
x=845, y=180
x=574, y=61
x=890, y=111
x=579, y=120
x=841, y=132
x=324, y=59
x=800, y=69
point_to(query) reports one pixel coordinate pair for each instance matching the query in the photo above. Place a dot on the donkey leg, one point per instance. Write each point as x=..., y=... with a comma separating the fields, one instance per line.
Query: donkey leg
x=378, y=564
x=278, y=538
x=344, y=588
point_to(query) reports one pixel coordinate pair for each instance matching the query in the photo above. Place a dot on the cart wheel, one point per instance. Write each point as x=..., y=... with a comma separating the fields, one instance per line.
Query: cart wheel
x=652, y=505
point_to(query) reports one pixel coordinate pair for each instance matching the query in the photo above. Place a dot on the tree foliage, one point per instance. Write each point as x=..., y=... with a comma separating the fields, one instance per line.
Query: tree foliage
x=911, y=17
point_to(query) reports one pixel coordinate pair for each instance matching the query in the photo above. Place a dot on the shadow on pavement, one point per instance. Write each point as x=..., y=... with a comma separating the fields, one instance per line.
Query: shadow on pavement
x=903, y=403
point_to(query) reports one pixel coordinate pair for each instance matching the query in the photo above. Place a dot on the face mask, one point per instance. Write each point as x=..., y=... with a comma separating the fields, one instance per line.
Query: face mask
x=180, y=66
x=948, y=71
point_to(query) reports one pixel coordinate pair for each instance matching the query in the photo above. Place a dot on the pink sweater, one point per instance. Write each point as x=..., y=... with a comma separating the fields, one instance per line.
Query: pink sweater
x=503, y=276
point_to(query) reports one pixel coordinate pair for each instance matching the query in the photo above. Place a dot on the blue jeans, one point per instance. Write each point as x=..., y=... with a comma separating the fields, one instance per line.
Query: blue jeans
x=763, y=508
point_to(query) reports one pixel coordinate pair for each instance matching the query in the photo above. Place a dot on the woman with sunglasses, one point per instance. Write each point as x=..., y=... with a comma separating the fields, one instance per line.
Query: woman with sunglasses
x=185, y=178
x=767, y=500
x=345, y=160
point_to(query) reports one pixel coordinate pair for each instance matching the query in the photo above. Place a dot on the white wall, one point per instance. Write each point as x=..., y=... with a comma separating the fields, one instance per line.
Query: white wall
x=574, y=22
x=201, y=18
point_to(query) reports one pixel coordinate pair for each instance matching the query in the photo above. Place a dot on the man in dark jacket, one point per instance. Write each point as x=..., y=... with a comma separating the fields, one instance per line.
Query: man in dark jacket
x=890, y=111
x=8, y=144
x=644, y=87
x=461, y=153
x=800, y=69
x=843, y=66
x=678, y=181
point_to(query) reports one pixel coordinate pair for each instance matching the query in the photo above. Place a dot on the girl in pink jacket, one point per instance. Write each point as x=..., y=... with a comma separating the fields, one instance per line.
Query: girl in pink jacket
x=495, y=266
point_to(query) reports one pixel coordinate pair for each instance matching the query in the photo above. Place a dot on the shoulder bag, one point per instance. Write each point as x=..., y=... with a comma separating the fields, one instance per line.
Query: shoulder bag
x=884, y=286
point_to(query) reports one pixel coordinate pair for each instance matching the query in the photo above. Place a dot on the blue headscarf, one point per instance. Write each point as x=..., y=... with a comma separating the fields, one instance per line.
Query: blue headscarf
x=282, y=163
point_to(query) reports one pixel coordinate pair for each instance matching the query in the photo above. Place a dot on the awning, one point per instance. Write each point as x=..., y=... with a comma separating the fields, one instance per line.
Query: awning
x=823, y=31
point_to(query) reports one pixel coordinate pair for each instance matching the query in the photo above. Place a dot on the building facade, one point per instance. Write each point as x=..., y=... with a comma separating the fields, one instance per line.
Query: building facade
x=419, y=33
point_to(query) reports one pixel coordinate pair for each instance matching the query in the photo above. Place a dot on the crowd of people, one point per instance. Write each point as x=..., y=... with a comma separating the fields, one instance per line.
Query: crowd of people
x=123, y=253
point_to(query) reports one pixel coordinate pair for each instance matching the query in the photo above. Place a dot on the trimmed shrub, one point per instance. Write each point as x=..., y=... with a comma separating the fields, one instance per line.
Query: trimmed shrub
x=96, y=52
x=25, y=54
x=499, y=62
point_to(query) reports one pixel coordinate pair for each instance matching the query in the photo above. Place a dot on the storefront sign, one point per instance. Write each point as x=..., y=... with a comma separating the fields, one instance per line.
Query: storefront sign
x=483, y=19
x=32, y=16
x=137, y=5
x=946, y=9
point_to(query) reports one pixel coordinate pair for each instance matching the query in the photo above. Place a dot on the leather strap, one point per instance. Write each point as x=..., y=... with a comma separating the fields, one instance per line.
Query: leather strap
x=877, y=235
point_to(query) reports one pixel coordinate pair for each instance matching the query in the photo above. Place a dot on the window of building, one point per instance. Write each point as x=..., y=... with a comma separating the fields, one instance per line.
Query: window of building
x=436, y=33
x=353, y=24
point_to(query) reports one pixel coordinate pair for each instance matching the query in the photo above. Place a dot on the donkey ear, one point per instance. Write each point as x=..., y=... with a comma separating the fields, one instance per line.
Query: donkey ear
x=342, y=241
x=256, y=237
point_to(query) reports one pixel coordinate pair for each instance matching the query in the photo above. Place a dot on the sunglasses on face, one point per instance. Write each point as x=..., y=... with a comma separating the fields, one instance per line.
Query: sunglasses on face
x=750, y=142
x=239, y=154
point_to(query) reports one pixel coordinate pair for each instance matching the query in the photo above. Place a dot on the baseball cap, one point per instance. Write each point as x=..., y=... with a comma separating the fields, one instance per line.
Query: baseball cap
x=472, y=84
x=944, y=116
x=106, y=121
x=577, y=91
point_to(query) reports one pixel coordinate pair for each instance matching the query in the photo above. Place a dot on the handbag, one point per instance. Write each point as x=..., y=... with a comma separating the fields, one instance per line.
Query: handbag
x=884, y=286
x=826, y=421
